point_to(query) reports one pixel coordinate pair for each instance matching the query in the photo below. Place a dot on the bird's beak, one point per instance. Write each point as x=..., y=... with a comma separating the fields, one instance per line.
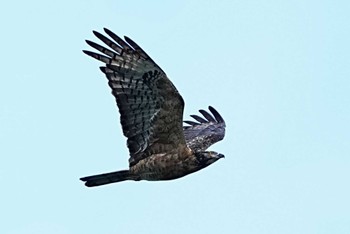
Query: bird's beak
x=221, y=156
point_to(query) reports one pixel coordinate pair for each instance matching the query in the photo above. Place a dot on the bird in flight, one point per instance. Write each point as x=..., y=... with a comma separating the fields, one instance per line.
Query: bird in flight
x=151, y=115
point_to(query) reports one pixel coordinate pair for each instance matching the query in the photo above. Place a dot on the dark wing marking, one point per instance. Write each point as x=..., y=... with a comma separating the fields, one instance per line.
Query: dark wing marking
x=151, y=109
x=207, y=131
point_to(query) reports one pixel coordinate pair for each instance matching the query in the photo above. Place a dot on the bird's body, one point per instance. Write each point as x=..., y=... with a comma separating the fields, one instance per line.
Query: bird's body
x=151, y=111
x=165, y=166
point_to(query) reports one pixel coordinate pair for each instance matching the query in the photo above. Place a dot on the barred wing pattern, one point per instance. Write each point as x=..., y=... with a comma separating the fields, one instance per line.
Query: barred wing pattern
x=150, y=106
x=207, y=131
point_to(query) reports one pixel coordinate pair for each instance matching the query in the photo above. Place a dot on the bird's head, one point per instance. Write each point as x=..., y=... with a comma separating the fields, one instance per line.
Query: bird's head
x=205, y=158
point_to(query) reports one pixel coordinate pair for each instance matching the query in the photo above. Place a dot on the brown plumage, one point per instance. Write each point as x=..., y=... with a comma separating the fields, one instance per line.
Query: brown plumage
x=151, y=112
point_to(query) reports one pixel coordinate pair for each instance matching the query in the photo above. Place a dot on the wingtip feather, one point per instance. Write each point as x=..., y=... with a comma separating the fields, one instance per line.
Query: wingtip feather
x=103, y=69
x=216, y=114
x=87, y=52
x=206, y=115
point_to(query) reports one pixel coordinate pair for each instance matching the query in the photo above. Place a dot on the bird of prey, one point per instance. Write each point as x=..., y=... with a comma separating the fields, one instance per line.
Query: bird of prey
x=151, y=115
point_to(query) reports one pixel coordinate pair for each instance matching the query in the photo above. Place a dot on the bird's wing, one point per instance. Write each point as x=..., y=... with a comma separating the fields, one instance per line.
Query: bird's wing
x=151, y=109
x=206, y=131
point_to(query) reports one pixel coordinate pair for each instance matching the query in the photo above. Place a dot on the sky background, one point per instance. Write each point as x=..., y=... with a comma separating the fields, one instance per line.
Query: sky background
x=277, y=71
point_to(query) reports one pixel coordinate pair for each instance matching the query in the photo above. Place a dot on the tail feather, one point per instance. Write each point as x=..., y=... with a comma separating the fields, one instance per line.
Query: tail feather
x=107, y=178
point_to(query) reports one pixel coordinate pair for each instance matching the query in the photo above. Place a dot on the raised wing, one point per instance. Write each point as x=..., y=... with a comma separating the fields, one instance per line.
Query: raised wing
x=151, y=109
x=206, y=131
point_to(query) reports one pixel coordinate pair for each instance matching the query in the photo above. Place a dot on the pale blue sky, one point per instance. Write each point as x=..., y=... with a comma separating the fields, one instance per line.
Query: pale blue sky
x=278, y=72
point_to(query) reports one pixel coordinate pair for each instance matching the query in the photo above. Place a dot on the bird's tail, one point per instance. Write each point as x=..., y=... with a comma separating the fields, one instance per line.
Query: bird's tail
x=107, y=178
